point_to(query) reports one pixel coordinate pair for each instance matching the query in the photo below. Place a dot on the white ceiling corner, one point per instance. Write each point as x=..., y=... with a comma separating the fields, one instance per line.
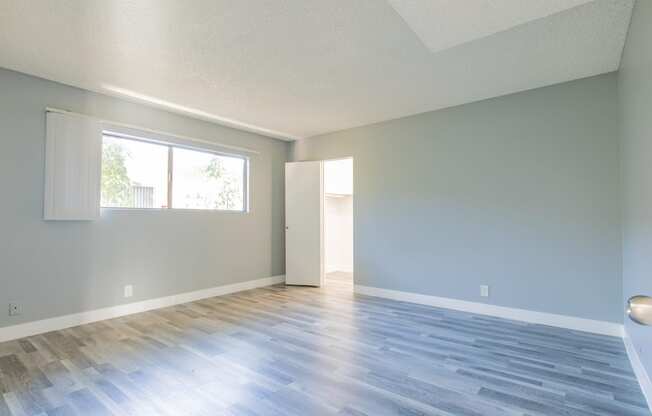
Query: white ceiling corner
x=293, y=69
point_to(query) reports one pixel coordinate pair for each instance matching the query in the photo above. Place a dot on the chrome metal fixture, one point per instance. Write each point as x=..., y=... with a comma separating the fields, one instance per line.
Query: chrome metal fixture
x=639, y=309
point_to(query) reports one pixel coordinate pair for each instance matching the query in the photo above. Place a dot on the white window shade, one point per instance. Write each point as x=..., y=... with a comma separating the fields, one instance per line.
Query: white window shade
x=73, y=158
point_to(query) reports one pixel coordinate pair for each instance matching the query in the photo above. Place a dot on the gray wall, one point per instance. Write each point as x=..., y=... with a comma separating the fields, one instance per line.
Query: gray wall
x=519, y=192
x=635, y=91
x=56, y=268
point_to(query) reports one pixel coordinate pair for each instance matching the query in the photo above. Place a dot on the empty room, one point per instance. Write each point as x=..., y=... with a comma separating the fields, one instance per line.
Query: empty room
x=326, y=207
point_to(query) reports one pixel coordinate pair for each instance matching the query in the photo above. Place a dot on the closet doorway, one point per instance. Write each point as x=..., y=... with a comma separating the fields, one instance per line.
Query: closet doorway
x=338, y=223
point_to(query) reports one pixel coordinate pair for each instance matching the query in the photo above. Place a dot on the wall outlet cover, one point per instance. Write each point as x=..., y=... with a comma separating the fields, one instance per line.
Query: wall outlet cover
x=14, y=309
x=129, y=291
x=484, y=291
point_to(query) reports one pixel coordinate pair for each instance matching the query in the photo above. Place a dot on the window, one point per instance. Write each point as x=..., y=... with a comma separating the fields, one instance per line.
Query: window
x=134, y=174
x=143, y=174
x=207, y=181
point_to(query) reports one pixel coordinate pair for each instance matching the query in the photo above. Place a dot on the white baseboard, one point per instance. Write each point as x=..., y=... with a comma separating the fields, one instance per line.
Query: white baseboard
x=66, y=321
x=641, y=375
x=562, y=321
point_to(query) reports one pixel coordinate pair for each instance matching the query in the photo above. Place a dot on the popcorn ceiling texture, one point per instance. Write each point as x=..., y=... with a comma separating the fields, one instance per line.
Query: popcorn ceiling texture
x=292, y=69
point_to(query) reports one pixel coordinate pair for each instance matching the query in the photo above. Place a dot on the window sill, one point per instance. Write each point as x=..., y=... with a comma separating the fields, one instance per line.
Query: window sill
x=218, y=211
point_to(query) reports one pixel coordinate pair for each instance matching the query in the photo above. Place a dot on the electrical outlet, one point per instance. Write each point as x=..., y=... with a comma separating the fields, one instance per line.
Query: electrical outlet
x=484, y=291
x=129, y=291
x=15, y=309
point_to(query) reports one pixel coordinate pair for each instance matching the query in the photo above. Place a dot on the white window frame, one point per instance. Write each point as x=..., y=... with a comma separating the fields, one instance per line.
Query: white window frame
x=171, y=145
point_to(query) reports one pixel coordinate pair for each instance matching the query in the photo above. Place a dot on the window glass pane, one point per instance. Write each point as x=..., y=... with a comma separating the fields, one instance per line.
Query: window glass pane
x=134, y=174
x=207, y=181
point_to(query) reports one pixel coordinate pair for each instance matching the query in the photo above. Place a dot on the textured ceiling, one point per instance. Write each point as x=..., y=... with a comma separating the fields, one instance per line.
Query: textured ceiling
x=298, y=68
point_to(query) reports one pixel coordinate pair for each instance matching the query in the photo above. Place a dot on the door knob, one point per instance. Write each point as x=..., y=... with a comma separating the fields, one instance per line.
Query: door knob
x=639, y=309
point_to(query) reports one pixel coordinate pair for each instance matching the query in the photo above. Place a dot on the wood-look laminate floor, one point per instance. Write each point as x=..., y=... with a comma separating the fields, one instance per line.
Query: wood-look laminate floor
x=305, y=351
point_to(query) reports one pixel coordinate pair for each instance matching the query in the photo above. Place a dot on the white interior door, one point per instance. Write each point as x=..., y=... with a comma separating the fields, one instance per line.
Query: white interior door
x=304, y=223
